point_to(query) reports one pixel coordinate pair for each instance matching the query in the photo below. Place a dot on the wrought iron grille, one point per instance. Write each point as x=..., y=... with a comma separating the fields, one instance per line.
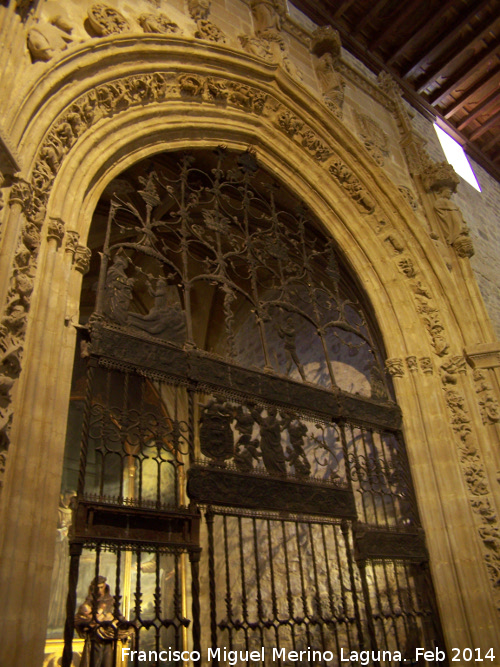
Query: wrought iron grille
x=242, y=479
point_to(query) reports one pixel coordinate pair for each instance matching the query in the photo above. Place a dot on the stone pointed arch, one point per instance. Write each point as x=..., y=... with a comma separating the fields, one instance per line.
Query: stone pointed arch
x=163, y=95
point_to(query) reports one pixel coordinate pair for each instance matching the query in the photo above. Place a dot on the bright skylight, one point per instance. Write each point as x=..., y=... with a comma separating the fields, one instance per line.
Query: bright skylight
x=456, y=157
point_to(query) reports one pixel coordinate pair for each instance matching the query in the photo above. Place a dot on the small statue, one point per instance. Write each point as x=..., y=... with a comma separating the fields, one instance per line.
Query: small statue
x=297, y=458
x=455, y=231
x=47, y=39
x=96, y=622
x=287, y=333
x=118, y=290
x=270, y=441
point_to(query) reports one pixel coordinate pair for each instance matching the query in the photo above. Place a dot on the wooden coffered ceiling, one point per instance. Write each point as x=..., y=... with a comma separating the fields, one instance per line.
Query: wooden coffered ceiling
x=445, y=54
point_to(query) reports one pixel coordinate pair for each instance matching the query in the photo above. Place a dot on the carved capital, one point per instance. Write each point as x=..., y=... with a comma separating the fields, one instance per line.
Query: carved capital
x=426, y=365
x=395, y=367
x=21, y=193
x=81, y=259
x=412, y=364
x=72, y=239
x=55, y=231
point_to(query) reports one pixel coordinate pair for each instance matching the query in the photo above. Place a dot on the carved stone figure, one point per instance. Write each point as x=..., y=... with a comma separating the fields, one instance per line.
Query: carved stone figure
x=107, y=21
x=374, y=138
x=455, y=231
x=47, y=39
x=246, y=450
x=267, y=41
x=326, y=47
x=158, y=23
x=199, y=11
x=95, y=621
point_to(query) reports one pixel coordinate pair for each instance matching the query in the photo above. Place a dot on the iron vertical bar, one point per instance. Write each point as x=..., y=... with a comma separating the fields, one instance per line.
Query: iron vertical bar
x=209, y=517
x=69, y=626
x=194, y=558
x=357, y=614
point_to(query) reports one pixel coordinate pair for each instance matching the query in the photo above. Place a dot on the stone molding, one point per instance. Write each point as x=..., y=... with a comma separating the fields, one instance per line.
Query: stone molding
x=484, y=355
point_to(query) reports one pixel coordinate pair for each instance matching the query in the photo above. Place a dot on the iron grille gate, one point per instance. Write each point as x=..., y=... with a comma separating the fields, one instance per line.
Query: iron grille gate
x=243, y=484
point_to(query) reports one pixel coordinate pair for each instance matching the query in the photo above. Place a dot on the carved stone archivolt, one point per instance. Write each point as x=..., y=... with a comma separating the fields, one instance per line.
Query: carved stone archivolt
x=326, y=46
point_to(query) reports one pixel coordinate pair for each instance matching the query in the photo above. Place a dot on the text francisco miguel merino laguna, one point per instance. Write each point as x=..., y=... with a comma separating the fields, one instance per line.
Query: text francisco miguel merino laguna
x=234, y=657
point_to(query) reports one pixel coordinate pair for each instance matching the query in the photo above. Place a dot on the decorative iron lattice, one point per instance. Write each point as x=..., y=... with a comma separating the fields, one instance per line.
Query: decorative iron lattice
x=215, y=233
x=232, y=374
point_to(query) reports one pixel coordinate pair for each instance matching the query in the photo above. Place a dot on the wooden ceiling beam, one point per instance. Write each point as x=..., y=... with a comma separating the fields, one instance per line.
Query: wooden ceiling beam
x=367, y=18
x=392, y=26
x=318, y=12
x=479, y=109
x=440, y=45
x=485, y=127
x=343, y=6
x=491, y=142
x=465, y=73
x=458, y=52
x=483, y=82
x=422, y=31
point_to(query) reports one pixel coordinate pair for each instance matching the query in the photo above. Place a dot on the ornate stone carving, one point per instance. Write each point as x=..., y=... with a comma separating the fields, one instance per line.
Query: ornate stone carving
x=289, y=123
x=199, y=11
x=55, y=231
x=158, y=23
x=450, y=368
x=412, y=364
x=488, y=404
x=434, y=326
x=409, y=196
x=267, y=41
x=440, y=175
x=326, y=47
x=345, y=177
x=395, y=242
x=46, y=40
x=107, y=21
x=406, y=266
x=395, y=367
x=315, y=146
x=477, y=485
x=374, y=139
x=454, y=229
x=21, y=193
x=72, y=239
x=426, y=365
x=81, y=258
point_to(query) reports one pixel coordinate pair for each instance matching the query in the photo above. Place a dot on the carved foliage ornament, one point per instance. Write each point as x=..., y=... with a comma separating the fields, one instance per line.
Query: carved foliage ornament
x=107, y=21
x=158, y=23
